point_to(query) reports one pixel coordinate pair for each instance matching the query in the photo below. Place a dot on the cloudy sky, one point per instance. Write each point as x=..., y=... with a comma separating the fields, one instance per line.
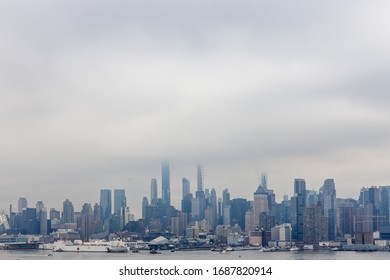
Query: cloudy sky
x=95, y=94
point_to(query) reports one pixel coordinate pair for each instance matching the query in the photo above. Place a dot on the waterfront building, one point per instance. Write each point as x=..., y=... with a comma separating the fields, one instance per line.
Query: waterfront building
x=328, y=201
x=300, y=205
x=314, y=225
x=86, y=222
x=384, y=211
x=281, y=235
x=369, y=199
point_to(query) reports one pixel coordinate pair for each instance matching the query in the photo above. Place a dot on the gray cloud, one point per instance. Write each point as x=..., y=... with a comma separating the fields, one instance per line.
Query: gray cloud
x=95, y=93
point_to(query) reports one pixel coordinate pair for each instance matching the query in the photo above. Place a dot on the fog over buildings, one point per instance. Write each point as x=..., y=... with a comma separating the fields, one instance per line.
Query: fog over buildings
x=95, y=94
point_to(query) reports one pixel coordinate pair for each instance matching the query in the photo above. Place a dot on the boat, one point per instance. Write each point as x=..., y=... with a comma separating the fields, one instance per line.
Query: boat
x=308, y=247
x=92, y=246
x=117, y=249
x=295, y=248
x=154, y=252
x=20, y=246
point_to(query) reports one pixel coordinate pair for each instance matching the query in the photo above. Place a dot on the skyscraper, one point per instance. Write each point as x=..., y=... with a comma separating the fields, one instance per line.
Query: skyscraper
x=300, y=200
x=119, y=200
x=199, y=178
x=145, y=204
x=260, y=205
x=166, y=185
x=328, y=196
x=67, y=212
x=185, y=188
x=22, y=203
x=39, y=207
x=264, y=181
x=86, y=221
x=153, y=191
x=105, y=204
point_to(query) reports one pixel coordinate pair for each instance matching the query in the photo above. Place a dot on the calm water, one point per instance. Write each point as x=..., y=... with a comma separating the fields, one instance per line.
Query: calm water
x=194, y=255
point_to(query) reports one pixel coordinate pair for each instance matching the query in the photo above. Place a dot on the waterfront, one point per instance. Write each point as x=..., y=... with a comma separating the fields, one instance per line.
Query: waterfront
x=195, y=255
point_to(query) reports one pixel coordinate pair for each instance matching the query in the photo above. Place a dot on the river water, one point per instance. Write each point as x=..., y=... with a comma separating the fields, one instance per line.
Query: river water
x=194, y=255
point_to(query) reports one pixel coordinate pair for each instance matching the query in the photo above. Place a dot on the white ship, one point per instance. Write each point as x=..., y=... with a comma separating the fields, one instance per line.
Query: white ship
x=92, y=246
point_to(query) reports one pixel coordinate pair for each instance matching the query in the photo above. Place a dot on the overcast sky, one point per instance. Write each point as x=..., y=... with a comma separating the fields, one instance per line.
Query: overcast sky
x=95, y=94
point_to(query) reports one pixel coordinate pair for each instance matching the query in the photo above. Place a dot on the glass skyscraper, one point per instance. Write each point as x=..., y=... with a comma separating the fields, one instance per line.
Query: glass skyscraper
x=119, y=200
x=300, y=200
x=105, y=204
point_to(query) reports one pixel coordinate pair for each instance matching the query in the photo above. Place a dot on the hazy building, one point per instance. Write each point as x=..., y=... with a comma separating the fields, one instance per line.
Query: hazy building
x=43, y=230
x=281, y=235
x=185, y=188
x=29, y=223
x=198, y=206
x=67, y=212
x=227, y=215
x=314, y=229
x=39, y=207
x=346, y=220
x=239, y=206
x=166, y=184
x=384, y=211
x=86, y=221
x=248, y=221
x=153, y=191
x=186, y=200
x=22, y=204
x=119, y=200
x=260, y=205
x=211, y=210
x=145, y=204
x=264, y=181
x=199, y=178
x=105, y=204
x=328, y=201
x=54, y=214
x=300, y=201
x=369, y=199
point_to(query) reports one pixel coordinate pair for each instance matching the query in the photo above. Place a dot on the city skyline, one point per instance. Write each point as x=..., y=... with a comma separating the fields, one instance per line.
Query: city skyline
x=95, y=96
x=108, y=201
